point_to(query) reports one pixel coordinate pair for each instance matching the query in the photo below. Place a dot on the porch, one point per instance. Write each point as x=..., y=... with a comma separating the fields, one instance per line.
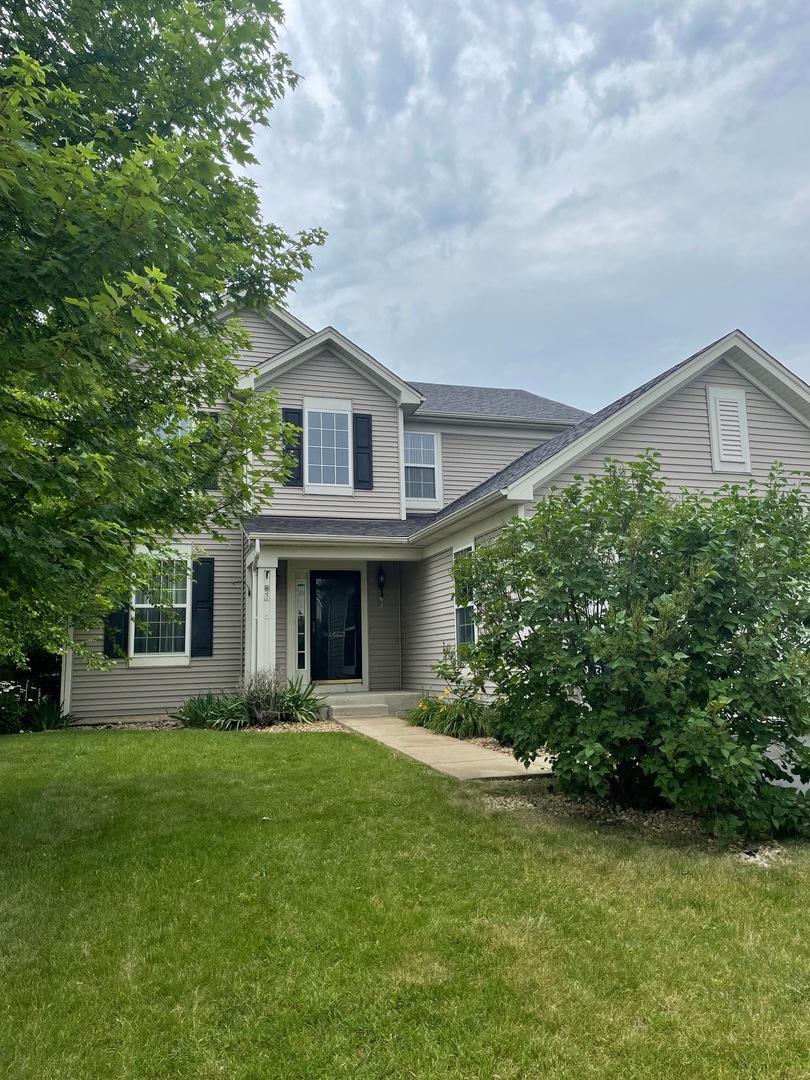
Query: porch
x=329, y=620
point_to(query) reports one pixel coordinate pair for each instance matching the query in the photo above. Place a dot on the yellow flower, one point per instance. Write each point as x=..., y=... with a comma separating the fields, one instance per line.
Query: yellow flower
x=447, y=689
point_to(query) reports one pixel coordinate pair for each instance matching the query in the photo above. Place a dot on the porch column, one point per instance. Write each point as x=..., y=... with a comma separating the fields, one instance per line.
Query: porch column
x=266, y=610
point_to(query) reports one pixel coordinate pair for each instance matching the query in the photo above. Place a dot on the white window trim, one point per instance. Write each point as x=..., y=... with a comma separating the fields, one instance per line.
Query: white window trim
x=425, y=504
x=173, y=659
x=319, y=404
x=728, y=393
x=470, y=546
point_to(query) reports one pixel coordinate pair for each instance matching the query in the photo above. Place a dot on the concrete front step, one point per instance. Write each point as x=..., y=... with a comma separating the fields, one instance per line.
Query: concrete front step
x=337, y=712
x=370, y=704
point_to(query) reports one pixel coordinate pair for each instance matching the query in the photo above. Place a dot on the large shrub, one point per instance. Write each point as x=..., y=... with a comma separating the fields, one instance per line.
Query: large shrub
x=655, y=645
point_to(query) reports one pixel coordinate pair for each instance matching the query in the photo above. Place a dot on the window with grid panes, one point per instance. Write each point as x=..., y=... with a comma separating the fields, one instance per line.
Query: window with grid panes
x=420, y=465
x=328, y=447
x=161, y=622
x=465, y=625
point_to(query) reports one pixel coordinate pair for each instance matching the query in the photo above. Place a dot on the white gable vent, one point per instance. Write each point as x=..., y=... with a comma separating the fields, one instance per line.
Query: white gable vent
x=728, y=425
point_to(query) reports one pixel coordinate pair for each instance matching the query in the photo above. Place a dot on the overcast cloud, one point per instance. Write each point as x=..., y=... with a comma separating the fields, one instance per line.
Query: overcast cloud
x=567, y=196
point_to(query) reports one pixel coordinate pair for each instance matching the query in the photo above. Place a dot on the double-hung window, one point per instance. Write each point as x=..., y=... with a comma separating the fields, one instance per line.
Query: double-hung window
x=421, y=467
x=160, y=627
x=327, y=445
x=465, y=625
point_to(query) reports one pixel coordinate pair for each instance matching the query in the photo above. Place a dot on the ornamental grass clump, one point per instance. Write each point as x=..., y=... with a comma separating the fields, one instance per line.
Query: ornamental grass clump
x=459, y=710
x=445, y=715
x=657, y=646
x=262, y=699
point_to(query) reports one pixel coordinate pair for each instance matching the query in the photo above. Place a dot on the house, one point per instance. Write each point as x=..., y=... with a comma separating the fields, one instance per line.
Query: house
x=346, y=579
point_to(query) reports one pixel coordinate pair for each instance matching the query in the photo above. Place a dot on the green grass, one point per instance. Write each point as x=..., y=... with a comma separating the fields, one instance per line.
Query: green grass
x=314, y=906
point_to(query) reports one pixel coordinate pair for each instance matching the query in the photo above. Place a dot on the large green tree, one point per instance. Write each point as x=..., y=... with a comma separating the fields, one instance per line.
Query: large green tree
x=127, y=225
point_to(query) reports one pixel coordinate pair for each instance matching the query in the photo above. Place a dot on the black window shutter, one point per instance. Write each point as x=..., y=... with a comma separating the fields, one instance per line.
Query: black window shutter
x=116, y=634
x=363, y=472
x=202, y=607
x=296, y=449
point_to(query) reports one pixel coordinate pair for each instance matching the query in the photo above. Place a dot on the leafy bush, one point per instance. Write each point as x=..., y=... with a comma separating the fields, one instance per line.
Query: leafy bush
x=46, y=715
x=17, y=714
x=657, y=647
x=12, y=711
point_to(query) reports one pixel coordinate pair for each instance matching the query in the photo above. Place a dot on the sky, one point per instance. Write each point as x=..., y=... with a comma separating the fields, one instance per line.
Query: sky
x=567, y=196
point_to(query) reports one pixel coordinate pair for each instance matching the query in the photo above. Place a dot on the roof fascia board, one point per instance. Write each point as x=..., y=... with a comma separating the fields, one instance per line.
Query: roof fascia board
x=289, y=322
x=358, y=358
x=466, y=513
x=281, y=316
x=769, y=392
x=494, y=421
x=287, y=546
x=771, y=364
x=523, y=489
x=466, y=532
x=497, y=431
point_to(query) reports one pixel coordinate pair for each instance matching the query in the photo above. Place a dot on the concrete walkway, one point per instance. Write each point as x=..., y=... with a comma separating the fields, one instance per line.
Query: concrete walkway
x=449, y=756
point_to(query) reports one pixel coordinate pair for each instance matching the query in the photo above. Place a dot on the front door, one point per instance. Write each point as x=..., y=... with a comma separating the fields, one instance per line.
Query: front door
x=336, y=654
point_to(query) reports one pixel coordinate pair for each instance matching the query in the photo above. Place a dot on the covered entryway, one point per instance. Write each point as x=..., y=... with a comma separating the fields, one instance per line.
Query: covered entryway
x=333, y=621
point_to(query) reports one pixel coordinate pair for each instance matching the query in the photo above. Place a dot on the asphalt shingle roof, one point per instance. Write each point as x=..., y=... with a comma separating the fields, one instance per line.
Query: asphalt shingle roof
x=444, y=399
x=501, y=479
x=322, y=526
x=547, y=450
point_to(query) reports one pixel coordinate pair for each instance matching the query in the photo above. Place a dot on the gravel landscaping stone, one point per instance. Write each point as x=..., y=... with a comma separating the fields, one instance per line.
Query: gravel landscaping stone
x=318, y=725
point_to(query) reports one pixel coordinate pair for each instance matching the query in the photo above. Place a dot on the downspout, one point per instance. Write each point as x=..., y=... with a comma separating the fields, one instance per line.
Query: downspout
x=66, y=679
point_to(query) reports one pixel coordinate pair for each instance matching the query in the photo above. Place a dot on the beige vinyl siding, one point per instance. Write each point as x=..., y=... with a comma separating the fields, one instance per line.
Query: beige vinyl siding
x=134, y=691
x=383, y=629
x=428, y=619
x=467, y=460
x=281, y=619
x=267, y=338
x=325, y=375
x=679, y=430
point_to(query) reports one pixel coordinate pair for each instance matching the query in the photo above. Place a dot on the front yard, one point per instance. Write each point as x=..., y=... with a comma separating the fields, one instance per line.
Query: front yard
x=200, y=905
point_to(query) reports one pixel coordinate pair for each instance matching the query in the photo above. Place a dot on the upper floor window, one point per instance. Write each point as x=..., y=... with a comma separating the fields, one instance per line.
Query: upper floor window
x=327, y=447
x=327, y=441
x=420, y=466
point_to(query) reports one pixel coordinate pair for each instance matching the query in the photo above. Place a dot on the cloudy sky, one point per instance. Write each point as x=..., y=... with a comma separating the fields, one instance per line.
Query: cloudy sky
x=561, y=195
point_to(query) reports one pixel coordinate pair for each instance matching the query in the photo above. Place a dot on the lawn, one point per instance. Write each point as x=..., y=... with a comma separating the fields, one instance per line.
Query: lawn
x=202, y=905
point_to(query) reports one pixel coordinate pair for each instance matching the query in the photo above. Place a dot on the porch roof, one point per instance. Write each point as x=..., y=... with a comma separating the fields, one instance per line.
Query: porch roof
x=384, y=528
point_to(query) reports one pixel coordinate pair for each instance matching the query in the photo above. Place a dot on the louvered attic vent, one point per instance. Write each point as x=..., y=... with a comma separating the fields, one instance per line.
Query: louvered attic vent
x=728, y=425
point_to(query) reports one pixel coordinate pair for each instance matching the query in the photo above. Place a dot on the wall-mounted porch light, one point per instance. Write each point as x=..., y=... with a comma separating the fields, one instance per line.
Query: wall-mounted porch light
x=380, y=579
